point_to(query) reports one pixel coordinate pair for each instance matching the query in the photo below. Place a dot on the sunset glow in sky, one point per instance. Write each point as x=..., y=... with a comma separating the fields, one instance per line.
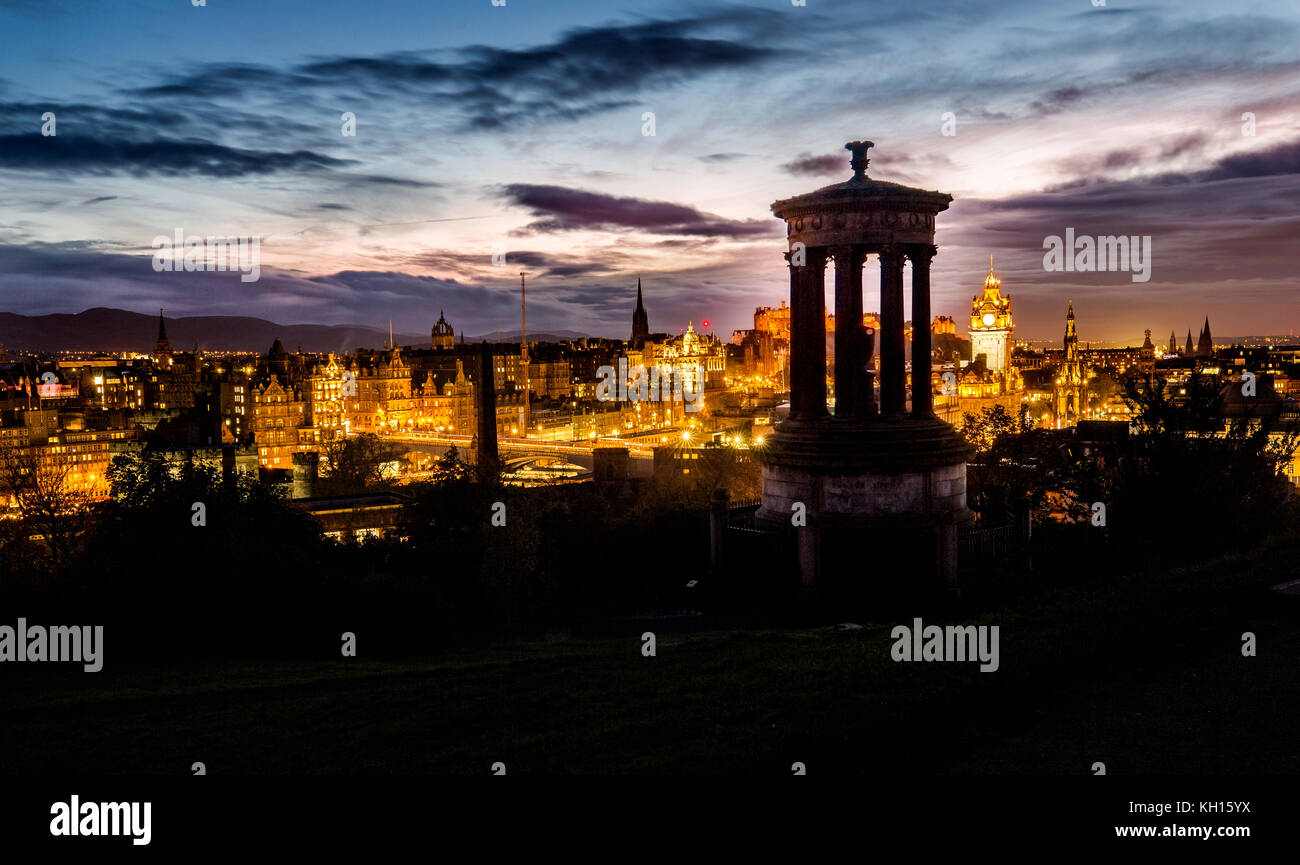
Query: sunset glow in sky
x=522, y=126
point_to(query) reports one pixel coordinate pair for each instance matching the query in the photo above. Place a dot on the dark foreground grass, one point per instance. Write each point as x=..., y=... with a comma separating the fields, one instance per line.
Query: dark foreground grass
x=710, y=701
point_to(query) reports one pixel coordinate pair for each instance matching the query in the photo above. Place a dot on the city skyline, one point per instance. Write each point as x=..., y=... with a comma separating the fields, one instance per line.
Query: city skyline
x=347, y=337
x=518, y=130
x=672, y=387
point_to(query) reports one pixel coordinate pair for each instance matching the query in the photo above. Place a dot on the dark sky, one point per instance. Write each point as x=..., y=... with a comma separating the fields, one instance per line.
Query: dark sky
x=520, y=129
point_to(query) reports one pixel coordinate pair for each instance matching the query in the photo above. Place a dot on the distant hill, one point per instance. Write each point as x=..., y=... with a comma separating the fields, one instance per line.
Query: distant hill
x=119, y=330
x=539, y=336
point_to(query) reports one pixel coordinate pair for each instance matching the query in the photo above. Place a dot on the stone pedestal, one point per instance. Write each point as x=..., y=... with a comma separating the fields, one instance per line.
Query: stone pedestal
x=874, y=482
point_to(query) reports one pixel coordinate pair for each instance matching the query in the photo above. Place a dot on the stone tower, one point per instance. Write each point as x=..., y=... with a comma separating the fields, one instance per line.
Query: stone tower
x=991, y=325
x=444, y=335
x=1147, y=355
x=1069, y=392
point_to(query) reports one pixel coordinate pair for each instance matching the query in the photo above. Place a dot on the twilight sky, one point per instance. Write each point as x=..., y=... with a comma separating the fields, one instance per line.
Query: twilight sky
x=520, y=128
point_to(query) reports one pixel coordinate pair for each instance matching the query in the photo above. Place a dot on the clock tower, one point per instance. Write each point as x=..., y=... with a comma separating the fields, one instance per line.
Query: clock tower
x=991, y=325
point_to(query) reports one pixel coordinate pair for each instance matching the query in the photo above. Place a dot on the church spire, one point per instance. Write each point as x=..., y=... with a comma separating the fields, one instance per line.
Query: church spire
x=1205, y=345
x=1069, y=398
x=162, y=346
x=640, y=320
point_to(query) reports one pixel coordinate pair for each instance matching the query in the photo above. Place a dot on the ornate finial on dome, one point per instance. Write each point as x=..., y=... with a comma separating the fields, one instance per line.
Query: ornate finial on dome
x=991, y=281
x=859, y=161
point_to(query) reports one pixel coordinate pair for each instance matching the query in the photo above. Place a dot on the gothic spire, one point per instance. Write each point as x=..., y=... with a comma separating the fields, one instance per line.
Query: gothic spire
x=162, y=346
x=640, y=320
x=1205, y=346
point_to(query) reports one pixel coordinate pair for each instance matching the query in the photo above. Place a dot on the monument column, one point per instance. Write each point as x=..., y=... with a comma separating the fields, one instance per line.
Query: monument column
x=808, y=334
x=922, y=396
x=850, y=340
x=893, y=356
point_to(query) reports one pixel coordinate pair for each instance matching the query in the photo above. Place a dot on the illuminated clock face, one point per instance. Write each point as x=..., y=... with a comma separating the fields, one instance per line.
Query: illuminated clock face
x=988, y=319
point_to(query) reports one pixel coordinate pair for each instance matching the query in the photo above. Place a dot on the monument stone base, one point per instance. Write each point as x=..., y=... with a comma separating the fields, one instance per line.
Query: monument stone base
x=886, y=491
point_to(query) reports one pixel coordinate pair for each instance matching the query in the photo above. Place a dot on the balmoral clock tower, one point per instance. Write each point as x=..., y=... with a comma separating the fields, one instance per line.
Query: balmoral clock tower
x=991, y=325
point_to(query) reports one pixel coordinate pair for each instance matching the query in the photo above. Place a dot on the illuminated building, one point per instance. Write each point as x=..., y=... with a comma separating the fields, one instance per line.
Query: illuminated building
x=991, y=325
x=943, y=324
x=169, y=388
x=550, y=374
x=773, y=320
x=383, y=399
x=277, y=415
x=113, y=388
x=989, y=378
x=356, y=516
x=74, y=462
x=325, y=416
x=443, y=334
x=1069, y=396
x=451, y=410
x=1147, y=360
x=690, y=353
x=236, y=406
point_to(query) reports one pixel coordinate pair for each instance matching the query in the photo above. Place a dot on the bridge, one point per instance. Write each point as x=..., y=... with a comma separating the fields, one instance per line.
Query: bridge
x=516, y=453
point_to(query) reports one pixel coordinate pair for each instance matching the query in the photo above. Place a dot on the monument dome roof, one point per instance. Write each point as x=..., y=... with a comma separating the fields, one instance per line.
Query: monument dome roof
x=861, y=189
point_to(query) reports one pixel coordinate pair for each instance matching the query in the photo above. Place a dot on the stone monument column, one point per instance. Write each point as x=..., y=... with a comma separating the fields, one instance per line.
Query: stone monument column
x=808, y=334
x=850, y=338
x=893, y=352
x=922, y=396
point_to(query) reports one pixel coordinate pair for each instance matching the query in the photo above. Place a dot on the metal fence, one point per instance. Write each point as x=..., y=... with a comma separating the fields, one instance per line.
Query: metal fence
x=983, y=546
